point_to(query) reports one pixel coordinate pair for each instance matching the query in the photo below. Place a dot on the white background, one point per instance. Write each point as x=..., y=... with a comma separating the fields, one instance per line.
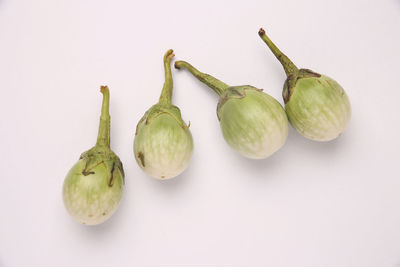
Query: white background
x=312, y=204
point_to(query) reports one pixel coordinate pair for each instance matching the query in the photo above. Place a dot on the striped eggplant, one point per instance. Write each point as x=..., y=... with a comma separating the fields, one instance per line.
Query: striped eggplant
x=163, y=144
x=252, y=122
x=93, y=187
x=316, y=105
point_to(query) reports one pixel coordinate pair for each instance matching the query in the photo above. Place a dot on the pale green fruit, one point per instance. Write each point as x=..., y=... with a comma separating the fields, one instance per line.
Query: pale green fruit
x=318, y=108
x=90, y=199
x=93, y=187
x=252, y=122
x=163, y=144
x=316, y=105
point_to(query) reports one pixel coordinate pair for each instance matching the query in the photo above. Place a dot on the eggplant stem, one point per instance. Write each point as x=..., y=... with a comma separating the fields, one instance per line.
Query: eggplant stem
x=218, y=86
x=103, y=137
x=288, y=65
x=166, y=93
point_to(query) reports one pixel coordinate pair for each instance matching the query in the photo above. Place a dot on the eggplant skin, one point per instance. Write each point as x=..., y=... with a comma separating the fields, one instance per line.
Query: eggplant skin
x=163, y=146
x=252, y=122
x=318, y=108
x=88, y=197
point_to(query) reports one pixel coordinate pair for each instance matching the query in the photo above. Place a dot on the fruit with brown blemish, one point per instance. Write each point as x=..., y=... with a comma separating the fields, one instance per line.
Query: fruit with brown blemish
x=93, y=187
x=163, y=144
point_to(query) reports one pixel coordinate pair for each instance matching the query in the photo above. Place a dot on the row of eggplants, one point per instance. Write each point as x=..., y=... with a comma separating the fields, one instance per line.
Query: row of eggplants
x=252, y=122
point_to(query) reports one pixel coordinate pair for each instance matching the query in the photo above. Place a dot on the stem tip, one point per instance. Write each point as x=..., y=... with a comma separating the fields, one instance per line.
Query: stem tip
x=103, y=88
x=169, y=55
x=261, y=32
x=178, y=65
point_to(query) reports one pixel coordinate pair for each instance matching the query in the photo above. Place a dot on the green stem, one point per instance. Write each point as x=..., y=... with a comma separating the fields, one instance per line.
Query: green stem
x=103, y=137
x=287, y=64
x=218, y=86
x=166, y=93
